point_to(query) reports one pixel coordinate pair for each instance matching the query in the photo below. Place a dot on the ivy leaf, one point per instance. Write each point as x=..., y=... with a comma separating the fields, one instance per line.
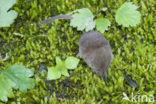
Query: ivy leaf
x=58, y=60
x=83, y=20
x=56, y=72
x=53, y=73
x=127, y=15
x=65, y=72
x=5, y=88
x=20, y=76
x=71, y=62
x=7, y=17
x=102, y=24
x=62, y=67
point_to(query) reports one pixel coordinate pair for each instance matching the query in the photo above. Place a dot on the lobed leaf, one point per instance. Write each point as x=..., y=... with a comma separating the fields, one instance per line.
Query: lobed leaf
x=7, y=17
x=71, y=62
x=20, y=76
x=5, y=88
x=83, y=20
x=5, y=5
x=53, y=73
x=102, y=24
x=127, y=15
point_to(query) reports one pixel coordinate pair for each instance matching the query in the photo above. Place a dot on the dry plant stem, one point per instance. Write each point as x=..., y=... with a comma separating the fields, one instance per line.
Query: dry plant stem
x=5, y=58
x=54, y=18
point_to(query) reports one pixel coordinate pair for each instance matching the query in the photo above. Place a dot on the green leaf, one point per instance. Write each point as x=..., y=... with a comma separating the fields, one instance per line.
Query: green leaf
x=5, y=5
x=65, y=72
x=7, y=18
x=83, y=20
x=60, y=67
x=127, y=15
x=20, y=76
x=58, y=60
x=53, y=73
x=71, y=62
x=5, y=88
x=102, y=24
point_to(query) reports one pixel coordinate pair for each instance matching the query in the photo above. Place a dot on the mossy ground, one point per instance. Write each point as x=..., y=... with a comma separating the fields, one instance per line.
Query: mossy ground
x=133, y=48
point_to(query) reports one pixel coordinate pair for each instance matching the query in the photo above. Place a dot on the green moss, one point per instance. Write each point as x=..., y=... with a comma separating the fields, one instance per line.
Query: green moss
x=133, y=49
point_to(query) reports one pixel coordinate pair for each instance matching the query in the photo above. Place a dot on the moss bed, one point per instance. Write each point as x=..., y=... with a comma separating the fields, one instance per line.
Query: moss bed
x=133, y=48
